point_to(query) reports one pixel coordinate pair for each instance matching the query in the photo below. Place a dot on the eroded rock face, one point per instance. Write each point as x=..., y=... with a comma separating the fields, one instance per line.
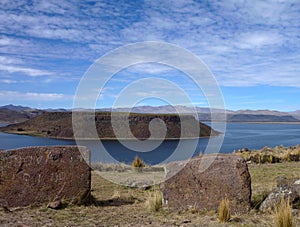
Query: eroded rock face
x=37, y=175
x=227, y=177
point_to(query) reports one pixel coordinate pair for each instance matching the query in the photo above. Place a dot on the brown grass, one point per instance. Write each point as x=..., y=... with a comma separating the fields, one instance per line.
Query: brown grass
x=137, y=163
x=283, y=214
x=271, y=155
x=224, y=211
x=154, y=201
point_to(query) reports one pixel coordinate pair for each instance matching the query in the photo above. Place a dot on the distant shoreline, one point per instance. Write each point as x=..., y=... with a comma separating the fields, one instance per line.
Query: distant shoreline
x=106, y=139
x=270, y=122
x=255, y=122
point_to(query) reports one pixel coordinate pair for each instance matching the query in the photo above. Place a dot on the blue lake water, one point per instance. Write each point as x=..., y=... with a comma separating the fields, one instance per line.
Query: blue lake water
x=238, y=135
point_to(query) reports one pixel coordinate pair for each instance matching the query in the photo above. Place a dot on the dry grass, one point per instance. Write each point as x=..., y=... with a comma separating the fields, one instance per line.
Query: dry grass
x=137, y=163
x=271, y=155
x=154, y=201
x=283, y=214
x=224, y=211
x=116, y=205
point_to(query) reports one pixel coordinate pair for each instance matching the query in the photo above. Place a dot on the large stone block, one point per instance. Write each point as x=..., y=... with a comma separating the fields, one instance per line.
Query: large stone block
x=37, y=175
x=227, y=176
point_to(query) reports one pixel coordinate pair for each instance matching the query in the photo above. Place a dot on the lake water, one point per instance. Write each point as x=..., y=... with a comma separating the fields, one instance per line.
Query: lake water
x=237, y=136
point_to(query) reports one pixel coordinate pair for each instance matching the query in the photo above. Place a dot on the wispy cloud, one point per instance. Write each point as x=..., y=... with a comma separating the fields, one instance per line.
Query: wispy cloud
x=15, y=95
x=244, y=43
x=14, y=65
x=26, y=71
x=7, y=81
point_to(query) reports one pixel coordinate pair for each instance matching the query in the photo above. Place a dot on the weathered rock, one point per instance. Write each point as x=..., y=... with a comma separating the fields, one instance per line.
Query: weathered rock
x=286, y=189
x=37, y=175
x=226, y=177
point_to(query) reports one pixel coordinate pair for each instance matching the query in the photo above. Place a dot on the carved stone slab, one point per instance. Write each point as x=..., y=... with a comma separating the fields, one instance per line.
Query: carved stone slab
x=37, y=175
x=227, y=176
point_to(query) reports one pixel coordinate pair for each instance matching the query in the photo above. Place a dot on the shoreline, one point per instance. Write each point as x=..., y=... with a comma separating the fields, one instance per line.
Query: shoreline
x=270, y=122
x=108, y=139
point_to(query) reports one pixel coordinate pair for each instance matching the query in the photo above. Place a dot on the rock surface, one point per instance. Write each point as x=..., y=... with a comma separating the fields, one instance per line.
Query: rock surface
x=37, y=175
x=286, y=189
x=226, y=177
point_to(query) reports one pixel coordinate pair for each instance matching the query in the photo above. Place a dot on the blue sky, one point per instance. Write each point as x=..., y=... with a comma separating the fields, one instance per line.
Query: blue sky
x=251, y=47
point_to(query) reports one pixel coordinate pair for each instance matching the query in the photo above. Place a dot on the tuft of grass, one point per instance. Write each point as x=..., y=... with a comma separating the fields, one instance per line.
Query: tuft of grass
x=137, y=163
x=224, y=211
x=200, y=154
x=154, y=201
x=116, y=195
x=283, y=214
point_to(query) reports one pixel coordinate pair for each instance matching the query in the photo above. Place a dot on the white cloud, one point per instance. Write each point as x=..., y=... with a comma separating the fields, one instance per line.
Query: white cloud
x=32, y=96
x=259, y=40
x=8, y=81
x=4, y=41
x=24, y=70
x=150, y=68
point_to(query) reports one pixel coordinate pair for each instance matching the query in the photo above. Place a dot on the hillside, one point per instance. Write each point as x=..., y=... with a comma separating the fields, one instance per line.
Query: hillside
x=59, y=125
x=205, y=115
x=260, y=118
x=12, y=116
x=21, y=113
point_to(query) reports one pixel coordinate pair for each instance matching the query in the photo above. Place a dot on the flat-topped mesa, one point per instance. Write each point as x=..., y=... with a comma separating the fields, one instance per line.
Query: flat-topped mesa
x=59, y=125
x=135, y=117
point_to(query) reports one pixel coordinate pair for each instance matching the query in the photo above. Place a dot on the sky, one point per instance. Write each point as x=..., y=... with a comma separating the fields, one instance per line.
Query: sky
x=252, y=48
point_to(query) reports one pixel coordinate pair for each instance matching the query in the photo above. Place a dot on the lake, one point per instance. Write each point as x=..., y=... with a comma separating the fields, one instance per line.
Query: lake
x=237, y=136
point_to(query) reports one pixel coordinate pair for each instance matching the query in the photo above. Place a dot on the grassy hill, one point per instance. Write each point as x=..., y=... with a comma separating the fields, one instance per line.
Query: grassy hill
x=59, y=125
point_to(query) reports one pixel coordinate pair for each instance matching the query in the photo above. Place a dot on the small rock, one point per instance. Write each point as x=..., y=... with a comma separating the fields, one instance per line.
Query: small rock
x=133, y=185
x=55, y=205
x=297, y=182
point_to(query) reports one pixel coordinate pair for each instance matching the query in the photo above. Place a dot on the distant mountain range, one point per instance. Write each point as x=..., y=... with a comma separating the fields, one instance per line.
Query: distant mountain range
x=13, y=114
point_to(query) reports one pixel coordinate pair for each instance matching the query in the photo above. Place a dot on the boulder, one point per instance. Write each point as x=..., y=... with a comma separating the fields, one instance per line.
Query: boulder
x=38, y=175
x=286, y=189
x=225, y=176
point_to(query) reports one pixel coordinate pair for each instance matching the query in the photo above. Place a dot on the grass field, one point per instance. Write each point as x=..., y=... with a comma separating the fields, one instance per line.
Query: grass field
x=116, y=205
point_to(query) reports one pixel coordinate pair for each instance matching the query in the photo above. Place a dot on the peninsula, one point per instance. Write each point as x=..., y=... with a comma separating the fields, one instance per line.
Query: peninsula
x=59, y=125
